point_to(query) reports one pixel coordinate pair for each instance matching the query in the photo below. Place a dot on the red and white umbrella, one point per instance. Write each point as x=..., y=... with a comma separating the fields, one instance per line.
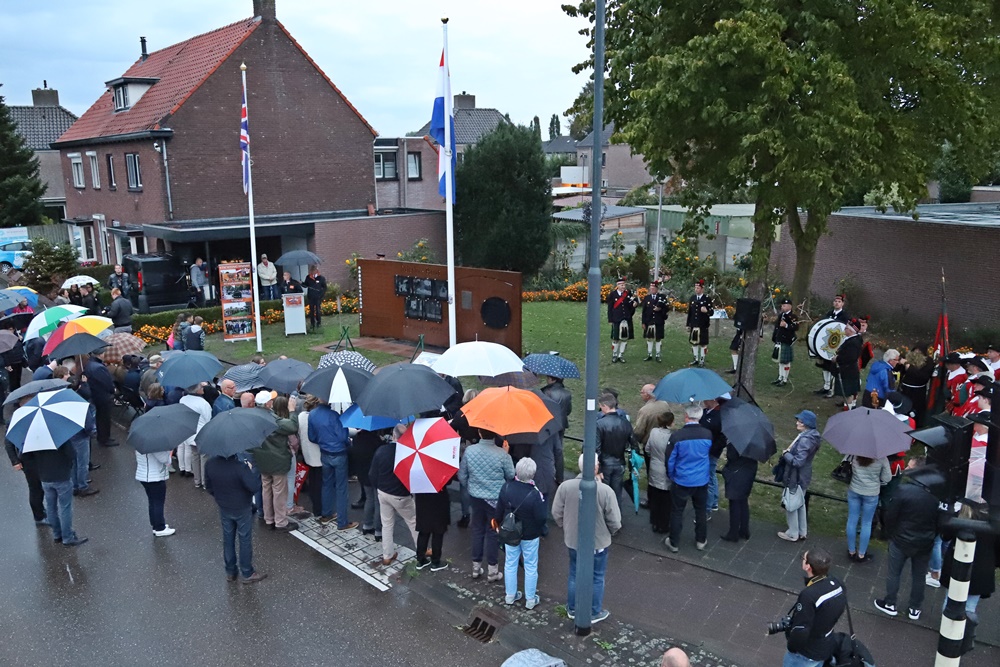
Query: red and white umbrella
x=427, y=455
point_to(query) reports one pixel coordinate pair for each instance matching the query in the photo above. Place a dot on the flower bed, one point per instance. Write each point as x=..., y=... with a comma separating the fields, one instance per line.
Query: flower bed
x=578, y=292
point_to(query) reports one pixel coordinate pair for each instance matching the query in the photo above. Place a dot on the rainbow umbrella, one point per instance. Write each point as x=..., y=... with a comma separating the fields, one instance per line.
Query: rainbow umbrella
x=90, y=324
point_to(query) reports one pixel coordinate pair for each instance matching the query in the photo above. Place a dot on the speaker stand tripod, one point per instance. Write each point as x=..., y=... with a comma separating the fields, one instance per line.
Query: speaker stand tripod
x=739, y=389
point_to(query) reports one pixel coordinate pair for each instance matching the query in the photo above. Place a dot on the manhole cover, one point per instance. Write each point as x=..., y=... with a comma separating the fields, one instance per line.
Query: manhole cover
x=484, y=625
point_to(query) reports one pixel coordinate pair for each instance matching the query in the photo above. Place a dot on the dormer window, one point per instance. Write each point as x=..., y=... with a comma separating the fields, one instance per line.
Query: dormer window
x=121, y=97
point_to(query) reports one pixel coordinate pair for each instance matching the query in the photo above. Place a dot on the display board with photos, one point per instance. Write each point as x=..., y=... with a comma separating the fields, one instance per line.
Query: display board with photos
x=423, y=298
x=236, y=297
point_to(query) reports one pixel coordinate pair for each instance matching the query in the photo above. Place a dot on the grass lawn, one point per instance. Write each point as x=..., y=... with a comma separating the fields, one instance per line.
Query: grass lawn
x=561, y=326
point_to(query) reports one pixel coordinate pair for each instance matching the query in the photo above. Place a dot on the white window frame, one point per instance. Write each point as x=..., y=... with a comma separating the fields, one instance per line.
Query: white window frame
x=414, y=166
x=121, y=97
x=134, y=171
x=382, y=164
x=112, y=184
x=95, y=171
x=76, y=166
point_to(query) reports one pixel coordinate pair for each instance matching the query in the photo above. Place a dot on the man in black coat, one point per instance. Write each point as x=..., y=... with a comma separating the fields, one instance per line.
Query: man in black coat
x=36, y=496
x=615, y=440
x=561, y=395
x=783, y=338
x=315, y=284
x=120, y=311
x=621, y=308
x=698, y=317
x=289, y=285
x=654, y=315
x=54, y=467
x=911, y=520
x=847, y=368
x=839, y=314
x=102, y=392
x=89, y=299
x=816, y=612
x=233, y=484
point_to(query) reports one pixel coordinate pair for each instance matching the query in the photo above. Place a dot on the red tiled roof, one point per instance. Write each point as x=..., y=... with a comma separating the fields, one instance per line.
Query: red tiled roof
x=180, y=68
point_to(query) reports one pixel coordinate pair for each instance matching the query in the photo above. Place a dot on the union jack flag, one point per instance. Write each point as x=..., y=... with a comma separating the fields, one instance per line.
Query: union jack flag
x=245, y=144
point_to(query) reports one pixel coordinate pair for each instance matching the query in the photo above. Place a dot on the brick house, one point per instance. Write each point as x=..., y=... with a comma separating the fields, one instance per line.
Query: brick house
x=620, y=169
x=154, y=164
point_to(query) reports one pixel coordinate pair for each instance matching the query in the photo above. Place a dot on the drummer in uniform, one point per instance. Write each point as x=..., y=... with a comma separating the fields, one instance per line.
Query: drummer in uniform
x=783, y=337
x=840, y=315
x=654, y=315
x=698, y=317
x=621, y=307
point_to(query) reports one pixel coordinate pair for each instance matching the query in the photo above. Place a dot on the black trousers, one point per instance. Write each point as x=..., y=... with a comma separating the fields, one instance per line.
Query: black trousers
x=659, y=509
x=36, y=496
x=156, y=493
x=436, y=540
x=103, y=409
x=314, y=485
x=679, y=496
x=739, y=518
x=16, y=371
x=315, y=312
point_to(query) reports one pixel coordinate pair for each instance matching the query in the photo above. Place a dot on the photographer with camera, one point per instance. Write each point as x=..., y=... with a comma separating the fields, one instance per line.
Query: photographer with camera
x=808, y=627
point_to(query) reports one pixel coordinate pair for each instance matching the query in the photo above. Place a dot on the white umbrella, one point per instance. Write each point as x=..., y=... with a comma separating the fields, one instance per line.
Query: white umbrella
x=47, y=420
x=79, y=281
x=49, y=320
x=478, y=358
x=427, y=455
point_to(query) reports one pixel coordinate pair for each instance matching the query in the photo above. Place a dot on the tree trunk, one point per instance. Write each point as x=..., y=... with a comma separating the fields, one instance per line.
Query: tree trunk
x=806, y=239
x=760, y=255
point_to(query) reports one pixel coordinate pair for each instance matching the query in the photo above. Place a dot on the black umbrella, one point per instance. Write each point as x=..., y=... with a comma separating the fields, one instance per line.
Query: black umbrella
x=284, y=375
x=235, y=431
x=17, y=320
x=162, y=428
x=748, y=429
x=246, y=376
x=337, y=384
x=34, y=387
x=186, y=369
x=402, y=390
x=298, y=258
x=77, y=344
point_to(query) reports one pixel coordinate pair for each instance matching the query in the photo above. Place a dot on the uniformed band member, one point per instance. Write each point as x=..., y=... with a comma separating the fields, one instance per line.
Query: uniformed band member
x=784, y=335
x=699, y=312
x=848, y=370
x=815, y=613
x=621, y=307
x=654, y=314
x=836, y=313
x=993, y=360
x=957, y=392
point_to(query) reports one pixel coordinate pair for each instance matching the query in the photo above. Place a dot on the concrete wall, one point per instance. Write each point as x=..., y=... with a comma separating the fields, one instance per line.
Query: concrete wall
x=897, y=265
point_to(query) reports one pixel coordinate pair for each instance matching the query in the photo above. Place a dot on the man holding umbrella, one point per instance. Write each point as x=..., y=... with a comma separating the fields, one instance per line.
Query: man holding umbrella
x=315, y=284
x=327, y=431
x=233, y=484
x=556, y=391
x=102, y=391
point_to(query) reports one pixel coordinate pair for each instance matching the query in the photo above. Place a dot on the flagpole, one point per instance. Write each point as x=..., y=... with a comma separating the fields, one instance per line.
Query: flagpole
x=253, y=231
x=449, y=196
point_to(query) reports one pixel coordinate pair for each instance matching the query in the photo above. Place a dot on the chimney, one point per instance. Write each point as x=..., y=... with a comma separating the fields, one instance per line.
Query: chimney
x=465, y=101
x=142, y=44
x=45, y=96
x=264, y=9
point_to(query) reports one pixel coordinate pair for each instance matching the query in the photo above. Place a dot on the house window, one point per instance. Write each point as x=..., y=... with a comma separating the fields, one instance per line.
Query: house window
x=76, y=162
x=121, y=98
x=111, y=171
x=385, y=166
x=95, y=174
x=604, y=159
x=132, y=167
x=413, y=166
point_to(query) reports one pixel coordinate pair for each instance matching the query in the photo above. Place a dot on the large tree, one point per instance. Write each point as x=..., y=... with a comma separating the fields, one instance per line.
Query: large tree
x=798, y=100
x=581, y=114
x=21, y=189
x=504, y=204
x=555, y=127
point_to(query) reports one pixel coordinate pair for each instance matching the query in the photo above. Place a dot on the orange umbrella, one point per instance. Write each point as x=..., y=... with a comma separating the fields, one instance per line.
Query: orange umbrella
x=506, y=410
x=92, y=324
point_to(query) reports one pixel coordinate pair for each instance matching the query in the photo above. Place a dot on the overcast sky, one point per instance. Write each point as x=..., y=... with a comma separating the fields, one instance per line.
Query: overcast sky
x=515, y=56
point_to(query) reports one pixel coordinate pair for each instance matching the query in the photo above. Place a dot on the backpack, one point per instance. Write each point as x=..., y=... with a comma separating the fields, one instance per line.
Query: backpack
x=848, y=649
x=511, y=528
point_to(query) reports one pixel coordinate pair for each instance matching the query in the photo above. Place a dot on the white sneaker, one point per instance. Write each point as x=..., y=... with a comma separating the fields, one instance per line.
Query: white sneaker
x=931, y=581
x=166, y=532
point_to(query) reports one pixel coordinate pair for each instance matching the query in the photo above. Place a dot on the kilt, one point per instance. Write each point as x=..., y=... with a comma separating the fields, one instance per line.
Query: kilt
x=654, y=331
x=616, y=331
x=848, y=384
x=699, y=336
x=786, y=353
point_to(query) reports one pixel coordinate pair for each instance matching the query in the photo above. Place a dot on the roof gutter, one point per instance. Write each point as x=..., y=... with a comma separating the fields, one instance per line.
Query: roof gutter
x=114, y=138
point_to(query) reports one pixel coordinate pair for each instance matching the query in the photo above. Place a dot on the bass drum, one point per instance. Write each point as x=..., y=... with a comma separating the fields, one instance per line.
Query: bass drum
x=825, y=338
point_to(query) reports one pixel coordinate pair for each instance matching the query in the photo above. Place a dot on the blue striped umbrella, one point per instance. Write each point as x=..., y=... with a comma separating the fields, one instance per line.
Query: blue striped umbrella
x=47, y=420
x=551, y=365
x=354, y=418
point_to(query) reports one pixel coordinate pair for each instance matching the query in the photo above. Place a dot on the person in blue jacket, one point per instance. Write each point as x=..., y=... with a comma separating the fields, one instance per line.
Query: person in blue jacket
x=689, y=470
x=880, y=380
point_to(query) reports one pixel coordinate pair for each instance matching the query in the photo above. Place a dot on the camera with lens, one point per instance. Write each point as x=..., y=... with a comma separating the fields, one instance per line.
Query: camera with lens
x=781, y=625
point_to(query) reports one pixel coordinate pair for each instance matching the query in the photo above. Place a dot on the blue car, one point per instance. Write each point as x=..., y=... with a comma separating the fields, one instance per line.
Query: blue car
x=12, y=255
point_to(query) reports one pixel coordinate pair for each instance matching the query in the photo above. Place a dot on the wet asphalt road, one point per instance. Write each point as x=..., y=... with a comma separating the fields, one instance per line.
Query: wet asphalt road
x=127, y=598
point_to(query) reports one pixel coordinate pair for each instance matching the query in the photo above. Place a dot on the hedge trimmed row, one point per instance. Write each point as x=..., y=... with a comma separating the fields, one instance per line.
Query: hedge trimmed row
x=168, y=317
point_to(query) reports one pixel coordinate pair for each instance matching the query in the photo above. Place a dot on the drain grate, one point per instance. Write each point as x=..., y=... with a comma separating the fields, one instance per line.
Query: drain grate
x=484, y=625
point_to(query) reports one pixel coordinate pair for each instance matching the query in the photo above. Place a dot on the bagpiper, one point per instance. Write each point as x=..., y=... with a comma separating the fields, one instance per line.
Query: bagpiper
x=783, y=337
x=655, y=308
x=699, y=313
x=621, y=307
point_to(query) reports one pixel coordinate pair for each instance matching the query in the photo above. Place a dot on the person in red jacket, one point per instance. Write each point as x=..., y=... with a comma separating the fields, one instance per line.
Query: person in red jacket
x=955, y=382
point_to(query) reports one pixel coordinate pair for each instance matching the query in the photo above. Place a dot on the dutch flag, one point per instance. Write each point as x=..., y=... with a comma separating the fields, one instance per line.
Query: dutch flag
x=437, y=129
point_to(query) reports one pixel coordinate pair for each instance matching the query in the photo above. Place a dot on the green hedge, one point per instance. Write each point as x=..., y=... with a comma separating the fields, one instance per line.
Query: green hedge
x=98, y=272
x=168, y=317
